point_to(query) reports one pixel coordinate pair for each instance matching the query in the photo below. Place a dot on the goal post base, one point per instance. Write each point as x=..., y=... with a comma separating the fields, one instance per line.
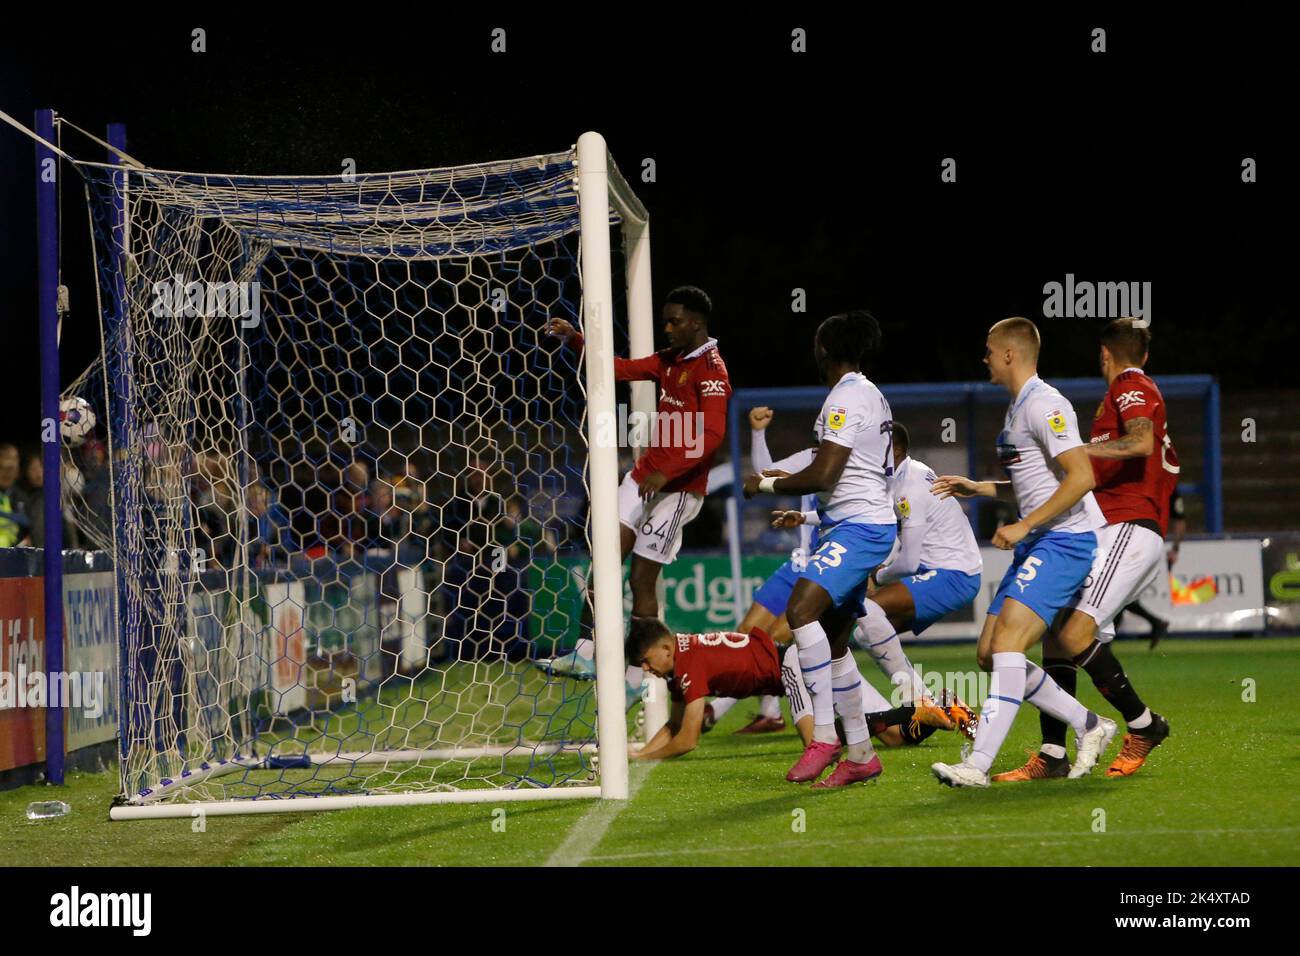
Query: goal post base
x=216, y=808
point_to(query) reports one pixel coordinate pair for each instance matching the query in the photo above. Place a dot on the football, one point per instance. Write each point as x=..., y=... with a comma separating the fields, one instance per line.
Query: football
x=76, y=420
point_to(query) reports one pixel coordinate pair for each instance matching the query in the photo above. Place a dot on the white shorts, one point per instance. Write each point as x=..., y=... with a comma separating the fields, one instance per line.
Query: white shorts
x=796, y=692
x=658, y=522
x=1129, y=559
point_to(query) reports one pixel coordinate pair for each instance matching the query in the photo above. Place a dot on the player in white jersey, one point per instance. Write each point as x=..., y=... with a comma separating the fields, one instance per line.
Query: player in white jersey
x=1051, y=479
x=935, y=570
x=849, y=474
x=770, y=601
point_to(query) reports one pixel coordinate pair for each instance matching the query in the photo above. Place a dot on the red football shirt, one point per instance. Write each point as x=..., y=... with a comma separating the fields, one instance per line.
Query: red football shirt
x=689, y=382
x=725, y=664
x=1134, y=489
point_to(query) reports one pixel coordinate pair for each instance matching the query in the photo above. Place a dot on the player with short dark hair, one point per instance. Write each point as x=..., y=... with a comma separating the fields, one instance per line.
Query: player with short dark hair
x=737, y=664
x=665, y=488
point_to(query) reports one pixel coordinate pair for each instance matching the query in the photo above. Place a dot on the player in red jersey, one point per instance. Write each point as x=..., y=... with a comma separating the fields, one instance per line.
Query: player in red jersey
x=666, y=487
x=1136, y=470
x=734, y=664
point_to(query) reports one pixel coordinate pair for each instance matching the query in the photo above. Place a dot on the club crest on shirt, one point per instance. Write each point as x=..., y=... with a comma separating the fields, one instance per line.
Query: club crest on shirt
x=836, y=417
x=1056, y=422
x=683, y=378
x=903, y=508
x=1101, y=409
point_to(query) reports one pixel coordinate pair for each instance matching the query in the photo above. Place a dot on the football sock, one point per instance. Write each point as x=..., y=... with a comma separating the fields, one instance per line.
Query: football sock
x=1109, y=678
x=1063, y=671
x=1000, y=708
x=1045, y=694
x=913, y=734
x=846, y=685
x=770, y=707
x=815, y=663
x=1137, y=608
x=878, y=636
x=721, y=705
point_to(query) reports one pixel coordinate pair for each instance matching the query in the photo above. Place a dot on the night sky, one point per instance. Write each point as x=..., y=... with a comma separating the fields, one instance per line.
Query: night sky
x=774, y=170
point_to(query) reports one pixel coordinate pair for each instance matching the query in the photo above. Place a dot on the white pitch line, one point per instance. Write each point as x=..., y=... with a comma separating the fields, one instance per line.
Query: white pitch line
x=592, y=826
x=1042, y=839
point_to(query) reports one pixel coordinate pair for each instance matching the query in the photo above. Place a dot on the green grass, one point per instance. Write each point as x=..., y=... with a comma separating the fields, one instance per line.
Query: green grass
x=1220, y=792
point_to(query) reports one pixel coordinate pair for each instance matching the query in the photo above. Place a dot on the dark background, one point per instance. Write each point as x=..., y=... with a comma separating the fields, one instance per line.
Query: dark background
x=774, y=170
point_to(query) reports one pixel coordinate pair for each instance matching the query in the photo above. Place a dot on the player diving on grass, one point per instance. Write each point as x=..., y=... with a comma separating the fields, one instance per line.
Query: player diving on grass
x=1051, y=479
x=767, y=611
x=849, y=473
x=743, y=664
x=1136, y=467
x=665, y=488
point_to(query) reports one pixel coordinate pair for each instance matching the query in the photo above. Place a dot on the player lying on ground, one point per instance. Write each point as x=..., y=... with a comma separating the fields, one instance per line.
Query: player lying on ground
x=698, y=665
x=849, y=473
x=665, y=488
x=1135, y=468
x=767, y=611
x=1054, y=543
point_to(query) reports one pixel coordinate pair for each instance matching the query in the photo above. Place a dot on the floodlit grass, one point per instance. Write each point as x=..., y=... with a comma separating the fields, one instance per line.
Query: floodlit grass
x=1220, y=792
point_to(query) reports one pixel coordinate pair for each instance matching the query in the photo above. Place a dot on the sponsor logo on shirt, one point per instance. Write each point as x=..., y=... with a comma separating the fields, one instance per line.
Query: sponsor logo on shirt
x=1127, y=400
x=903, y=508
x=836, y=417
x=713, y=386
x=1056, y=422
x=671, y=400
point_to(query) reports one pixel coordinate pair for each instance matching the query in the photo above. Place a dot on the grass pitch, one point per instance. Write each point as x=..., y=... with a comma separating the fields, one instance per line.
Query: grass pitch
x=1221, y=792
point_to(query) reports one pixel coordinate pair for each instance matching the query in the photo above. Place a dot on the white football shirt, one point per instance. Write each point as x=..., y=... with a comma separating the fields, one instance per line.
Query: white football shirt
x=1040, y=425
x=933, y=532
x=856, y=415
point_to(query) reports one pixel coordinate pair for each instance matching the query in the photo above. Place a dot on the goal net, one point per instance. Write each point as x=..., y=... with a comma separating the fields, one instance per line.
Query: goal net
x=337, y=463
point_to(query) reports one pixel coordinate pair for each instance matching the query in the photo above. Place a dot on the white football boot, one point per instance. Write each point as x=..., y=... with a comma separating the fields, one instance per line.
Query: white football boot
x=1091, y=745
x=960, y=775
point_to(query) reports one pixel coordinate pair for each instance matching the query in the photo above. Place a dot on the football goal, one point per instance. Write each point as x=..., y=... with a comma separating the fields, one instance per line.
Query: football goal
x=336, y=461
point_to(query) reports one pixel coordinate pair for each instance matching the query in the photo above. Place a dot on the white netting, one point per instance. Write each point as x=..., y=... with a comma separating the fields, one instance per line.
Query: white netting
x=340, y=469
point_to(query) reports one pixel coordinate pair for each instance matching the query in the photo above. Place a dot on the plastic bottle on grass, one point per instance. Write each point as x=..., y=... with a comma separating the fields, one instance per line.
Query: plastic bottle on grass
x=47, y=809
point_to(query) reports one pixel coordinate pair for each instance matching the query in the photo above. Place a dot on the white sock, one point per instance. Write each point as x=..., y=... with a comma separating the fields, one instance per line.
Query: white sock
x=770, y=707
x=878, y=637
x=721, y=705
x=635, y=676
x=1137, y=723
x=1006, y=692
x=585, y=648
x=1046, y=694
x=846, y=683
x=795, y=691
x=815, y=664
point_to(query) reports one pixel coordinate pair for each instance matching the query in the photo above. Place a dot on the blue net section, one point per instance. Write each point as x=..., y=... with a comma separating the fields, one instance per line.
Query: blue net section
x=341, y=471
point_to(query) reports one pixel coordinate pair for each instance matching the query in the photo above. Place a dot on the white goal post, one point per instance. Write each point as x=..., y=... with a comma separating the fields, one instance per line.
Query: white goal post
x=337, y=506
